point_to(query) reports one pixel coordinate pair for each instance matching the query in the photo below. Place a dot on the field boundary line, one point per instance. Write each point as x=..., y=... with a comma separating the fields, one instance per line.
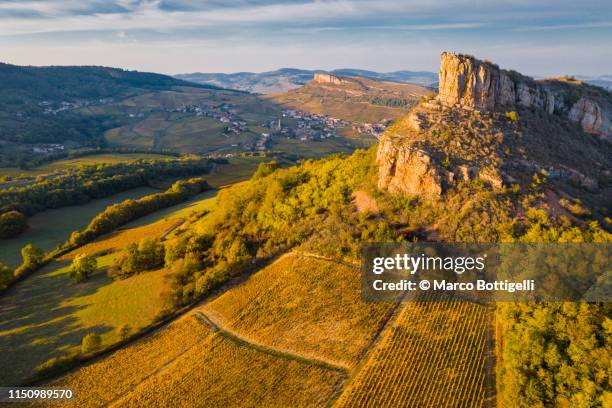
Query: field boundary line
x=234, y=337
x=370, y=350
x=325, y=258
x=172, y=228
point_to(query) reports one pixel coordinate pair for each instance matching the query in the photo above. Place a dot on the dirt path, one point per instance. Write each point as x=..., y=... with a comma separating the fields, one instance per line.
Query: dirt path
x=241, y=341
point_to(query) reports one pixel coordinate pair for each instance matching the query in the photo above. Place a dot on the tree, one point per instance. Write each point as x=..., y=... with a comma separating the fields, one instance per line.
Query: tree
x=91, y=342
x=32, y=256
x=147, y=255
x=82, y=266
x=12, y=223
x=512, y=116
x=265, y=168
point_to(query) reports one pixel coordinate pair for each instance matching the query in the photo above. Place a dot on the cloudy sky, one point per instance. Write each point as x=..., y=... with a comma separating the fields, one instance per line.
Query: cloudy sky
x=537, y=37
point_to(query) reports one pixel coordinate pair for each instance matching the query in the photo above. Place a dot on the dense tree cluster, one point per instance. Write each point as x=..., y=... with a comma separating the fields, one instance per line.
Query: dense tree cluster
x=82, y=267
x=276, y=210
x=33, y=258
x=555, y=354
x=12, y=223
x=147, y=255
x=128, y=210
x=96, y=181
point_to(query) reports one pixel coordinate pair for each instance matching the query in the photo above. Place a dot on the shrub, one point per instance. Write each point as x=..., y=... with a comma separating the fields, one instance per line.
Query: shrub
x=265, y=169
x=123, y=331
x=55, y=364
x=82, y=266
x=12, y=223
x=91, y=342
x=512, y=116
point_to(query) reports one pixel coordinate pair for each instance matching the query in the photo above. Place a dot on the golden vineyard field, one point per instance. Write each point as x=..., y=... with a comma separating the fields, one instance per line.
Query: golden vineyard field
x=434, y=355
x=279, y=339
x=303, y=305
x=189, y=364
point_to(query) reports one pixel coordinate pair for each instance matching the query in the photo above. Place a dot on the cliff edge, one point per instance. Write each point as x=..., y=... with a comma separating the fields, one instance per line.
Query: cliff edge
x=501, y=128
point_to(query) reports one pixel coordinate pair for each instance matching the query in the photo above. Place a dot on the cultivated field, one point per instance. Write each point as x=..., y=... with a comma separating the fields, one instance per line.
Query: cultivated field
x=352, y=100
x=303, y=305
x=189, y=363
x=186, y=132
x=238, y=169
x=436, y=354
x=314, y=148
x=53, y=227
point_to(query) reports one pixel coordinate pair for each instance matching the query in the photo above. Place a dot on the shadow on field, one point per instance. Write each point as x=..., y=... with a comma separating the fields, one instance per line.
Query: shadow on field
x=36, y=324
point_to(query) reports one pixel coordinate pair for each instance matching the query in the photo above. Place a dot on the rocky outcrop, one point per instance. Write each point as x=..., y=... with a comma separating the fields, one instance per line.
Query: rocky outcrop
x=404, y=170
x=591, y=118
x=468, y=82
x=474, y=84
x=323, y=78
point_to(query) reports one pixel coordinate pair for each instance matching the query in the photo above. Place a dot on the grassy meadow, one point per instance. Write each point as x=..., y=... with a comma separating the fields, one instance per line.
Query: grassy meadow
x=47, y=315
x=50, y=228
x=314, y=148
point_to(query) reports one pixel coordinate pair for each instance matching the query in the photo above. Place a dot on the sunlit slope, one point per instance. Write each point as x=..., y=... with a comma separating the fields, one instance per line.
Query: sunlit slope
x=354, y=99
x=436, y=354
x=189, y=363
x=304, y=305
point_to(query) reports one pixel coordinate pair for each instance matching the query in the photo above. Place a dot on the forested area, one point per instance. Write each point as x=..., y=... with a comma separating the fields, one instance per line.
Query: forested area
x=90, y=182
x=555, y=354
x=26, y=91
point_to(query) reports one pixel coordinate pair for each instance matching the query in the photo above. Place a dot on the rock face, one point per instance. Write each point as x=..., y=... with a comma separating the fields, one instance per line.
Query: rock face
x=323, y=78
x=443, y=142
x=474, y=84
x=404, y=170
x=591, y=117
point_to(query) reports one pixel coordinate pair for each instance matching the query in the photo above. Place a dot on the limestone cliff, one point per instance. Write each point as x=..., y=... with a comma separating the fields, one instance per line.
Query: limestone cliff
x=323, y=78
x=404, y=170
x=466, y=134
x=467, y=82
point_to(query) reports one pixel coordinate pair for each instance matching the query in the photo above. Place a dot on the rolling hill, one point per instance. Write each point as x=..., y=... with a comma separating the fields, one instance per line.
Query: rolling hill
x=36, y=102
x=285, y=79
x=354, y=99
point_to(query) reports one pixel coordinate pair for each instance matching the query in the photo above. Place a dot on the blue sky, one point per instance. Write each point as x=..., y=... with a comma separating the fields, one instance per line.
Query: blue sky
x=535, y=37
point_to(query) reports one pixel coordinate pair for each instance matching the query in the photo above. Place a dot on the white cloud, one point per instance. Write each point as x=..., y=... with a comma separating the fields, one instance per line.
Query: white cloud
x=148, y=15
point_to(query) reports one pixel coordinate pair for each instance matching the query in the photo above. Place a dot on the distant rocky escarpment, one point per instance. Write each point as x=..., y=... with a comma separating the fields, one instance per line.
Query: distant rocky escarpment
x=323, y=78
x=500, y=128
x=471, y=83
